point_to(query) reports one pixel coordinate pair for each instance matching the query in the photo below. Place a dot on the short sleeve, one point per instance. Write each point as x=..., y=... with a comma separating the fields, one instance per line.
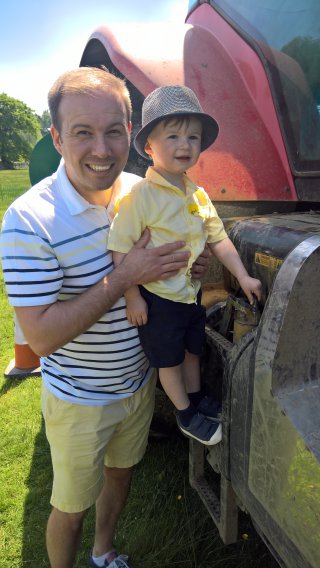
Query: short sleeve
x=128, y=223
x=214, y=226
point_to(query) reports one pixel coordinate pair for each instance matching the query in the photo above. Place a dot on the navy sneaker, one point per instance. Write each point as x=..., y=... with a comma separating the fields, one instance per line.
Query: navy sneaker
x=210, y=408
x=205, y=430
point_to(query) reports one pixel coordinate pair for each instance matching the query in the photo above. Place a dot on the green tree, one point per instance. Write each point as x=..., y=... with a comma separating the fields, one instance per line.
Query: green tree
x=306, y=51
x=19, y=130
x=45, y=122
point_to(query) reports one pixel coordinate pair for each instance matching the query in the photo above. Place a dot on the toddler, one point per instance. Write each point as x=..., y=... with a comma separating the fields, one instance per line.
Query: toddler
x=171, y=320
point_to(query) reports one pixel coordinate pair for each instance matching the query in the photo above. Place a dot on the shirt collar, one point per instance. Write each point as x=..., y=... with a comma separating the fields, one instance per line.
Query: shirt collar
x=73, y=200
x=153, y=176
x=77, y=204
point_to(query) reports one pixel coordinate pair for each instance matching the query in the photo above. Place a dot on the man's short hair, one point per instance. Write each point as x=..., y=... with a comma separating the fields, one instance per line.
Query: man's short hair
x=85, y=81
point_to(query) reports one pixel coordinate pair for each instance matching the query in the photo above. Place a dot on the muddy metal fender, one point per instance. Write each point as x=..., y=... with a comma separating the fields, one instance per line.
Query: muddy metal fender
x=275, y=434
x=269, y=459
x=213, y=60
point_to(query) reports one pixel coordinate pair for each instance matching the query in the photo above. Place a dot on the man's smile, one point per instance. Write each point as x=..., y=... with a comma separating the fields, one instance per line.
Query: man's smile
x=99, y=167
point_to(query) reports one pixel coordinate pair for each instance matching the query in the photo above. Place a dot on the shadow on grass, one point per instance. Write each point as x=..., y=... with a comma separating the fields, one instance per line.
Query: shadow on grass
x=9, y=384
x=37, y=506
x=164, y=522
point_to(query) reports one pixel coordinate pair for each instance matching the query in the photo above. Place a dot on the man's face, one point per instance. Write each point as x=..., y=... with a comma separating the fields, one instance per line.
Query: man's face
x=94, y=141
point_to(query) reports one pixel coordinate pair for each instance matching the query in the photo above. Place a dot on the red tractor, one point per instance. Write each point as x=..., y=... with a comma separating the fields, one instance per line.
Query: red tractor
x=255, y=66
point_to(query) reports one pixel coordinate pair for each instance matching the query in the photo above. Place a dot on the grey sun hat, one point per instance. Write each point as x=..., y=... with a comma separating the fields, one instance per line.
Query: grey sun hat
x=173, y=100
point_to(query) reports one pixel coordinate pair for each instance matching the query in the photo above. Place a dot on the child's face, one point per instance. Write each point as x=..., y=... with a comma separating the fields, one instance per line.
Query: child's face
x=175, y=146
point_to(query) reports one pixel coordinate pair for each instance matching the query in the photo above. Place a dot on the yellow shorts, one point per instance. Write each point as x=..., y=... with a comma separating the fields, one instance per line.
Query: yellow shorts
x=85, y=438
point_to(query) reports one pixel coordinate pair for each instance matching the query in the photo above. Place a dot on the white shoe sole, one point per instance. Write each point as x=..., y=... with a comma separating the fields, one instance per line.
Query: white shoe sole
x=215, y=439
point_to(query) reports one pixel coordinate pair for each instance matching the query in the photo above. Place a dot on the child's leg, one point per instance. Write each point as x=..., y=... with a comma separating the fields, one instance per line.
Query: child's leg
x=173, y=384
x=191, y=376
x=172, y=381
x=190, y=422
x=191, y=372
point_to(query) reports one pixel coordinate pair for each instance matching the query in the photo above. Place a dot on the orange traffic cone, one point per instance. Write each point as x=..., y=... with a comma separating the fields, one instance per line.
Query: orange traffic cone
x=26, y=362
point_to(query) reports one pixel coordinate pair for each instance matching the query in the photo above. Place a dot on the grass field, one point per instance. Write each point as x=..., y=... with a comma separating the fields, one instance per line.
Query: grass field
x=164, y=524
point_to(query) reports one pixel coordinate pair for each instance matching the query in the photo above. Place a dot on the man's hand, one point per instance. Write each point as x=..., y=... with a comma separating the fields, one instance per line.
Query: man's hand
x=143, y=265
x=49, y=327
x=201, y=264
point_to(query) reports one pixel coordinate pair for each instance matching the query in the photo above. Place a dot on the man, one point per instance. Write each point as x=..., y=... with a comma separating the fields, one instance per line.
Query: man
x=98, y=389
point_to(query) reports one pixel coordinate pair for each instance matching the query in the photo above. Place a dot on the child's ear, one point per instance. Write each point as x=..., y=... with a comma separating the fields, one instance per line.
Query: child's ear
x=148, y=149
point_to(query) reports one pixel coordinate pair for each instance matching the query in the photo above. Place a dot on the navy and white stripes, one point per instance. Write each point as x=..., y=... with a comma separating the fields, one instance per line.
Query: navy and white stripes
x=54, y=247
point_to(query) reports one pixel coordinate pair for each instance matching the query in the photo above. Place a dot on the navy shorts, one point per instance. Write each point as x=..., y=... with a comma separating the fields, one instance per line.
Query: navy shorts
x=172, y=329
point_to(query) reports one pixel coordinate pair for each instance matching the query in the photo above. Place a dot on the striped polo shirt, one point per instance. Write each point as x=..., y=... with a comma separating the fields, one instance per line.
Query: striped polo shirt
x=54, y=247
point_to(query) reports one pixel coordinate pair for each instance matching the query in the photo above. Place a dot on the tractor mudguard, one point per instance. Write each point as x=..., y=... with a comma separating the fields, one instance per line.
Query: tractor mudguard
x=237, y=167
x=269, y=462
x=147, y=55
x=275, y=394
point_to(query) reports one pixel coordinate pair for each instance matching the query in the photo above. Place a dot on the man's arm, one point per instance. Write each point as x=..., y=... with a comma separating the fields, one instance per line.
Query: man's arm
x=49, y=327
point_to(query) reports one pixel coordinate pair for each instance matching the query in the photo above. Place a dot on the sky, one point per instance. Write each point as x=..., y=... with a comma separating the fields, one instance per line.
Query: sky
x=41, y=39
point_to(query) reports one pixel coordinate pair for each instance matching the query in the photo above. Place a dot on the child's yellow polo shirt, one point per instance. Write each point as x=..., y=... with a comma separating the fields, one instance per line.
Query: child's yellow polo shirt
x=170, y=215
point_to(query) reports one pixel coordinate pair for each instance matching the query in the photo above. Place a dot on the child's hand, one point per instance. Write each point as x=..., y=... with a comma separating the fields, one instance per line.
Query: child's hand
x=251, y=287
x=137, y=311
